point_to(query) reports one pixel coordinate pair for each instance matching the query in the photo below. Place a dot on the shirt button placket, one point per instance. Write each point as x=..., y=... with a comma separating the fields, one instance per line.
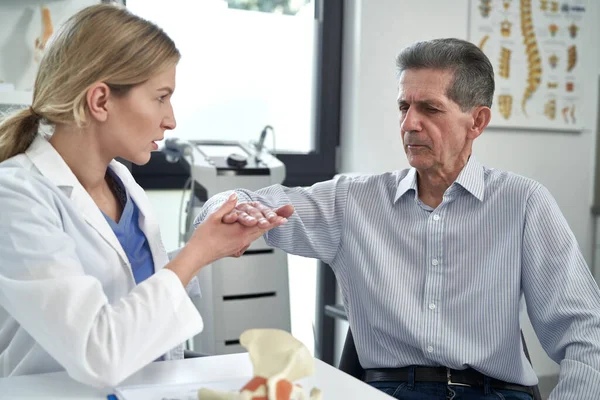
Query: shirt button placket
x=433, y=292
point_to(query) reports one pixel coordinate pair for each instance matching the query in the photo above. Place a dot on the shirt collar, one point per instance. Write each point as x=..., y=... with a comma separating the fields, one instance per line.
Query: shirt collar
x=470, y=178
x=407, y=183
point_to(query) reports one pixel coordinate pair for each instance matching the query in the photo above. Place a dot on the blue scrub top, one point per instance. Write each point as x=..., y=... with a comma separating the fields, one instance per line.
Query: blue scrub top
x=130, y=235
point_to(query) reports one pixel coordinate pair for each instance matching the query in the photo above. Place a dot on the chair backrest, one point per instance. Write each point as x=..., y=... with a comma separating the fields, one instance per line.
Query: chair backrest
x=350, y=364
x=536, y=390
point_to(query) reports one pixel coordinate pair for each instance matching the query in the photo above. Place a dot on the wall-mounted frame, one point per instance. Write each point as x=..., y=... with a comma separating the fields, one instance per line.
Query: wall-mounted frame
x=536, y=48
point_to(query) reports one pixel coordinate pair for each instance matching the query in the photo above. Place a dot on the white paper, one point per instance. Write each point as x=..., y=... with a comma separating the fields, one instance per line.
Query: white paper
x=187, y=391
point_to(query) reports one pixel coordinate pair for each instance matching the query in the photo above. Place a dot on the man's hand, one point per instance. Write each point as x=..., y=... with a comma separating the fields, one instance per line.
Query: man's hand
x=255, y=213
x=213, y=240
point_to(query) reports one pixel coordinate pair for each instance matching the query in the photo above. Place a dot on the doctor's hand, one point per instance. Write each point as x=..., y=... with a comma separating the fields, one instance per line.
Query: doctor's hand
x=213, y=240
x=257, y=214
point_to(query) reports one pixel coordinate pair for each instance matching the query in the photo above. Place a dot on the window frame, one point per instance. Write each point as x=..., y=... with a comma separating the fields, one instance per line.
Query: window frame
x=302, y=169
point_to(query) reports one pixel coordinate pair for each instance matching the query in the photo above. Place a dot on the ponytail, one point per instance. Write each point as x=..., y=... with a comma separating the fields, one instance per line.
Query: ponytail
x=101, y=43
x=17, y=132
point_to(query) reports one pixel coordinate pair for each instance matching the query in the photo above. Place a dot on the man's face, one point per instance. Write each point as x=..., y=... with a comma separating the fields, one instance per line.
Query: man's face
x=435, y=132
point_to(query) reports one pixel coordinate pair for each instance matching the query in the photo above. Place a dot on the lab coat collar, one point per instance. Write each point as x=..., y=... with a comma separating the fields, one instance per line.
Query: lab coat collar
x=52, y=166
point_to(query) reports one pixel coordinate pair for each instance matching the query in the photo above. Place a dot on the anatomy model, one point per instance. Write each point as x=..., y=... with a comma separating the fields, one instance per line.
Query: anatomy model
x=46, y=32
x=278, y=359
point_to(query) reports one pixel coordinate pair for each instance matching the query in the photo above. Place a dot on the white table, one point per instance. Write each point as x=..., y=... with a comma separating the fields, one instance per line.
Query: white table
x=235, y=367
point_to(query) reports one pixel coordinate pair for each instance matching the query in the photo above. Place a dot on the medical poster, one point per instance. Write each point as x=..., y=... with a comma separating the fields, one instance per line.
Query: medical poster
x=536, y=49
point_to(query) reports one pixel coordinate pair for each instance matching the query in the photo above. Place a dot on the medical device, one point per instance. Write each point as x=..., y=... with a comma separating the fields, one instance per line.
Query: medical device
x=251, y=291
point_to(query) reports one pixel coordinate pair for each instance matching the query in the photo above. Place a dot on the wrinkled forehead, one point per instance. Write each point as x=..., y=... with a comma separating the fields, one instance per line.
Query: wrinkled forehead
x=418, y=84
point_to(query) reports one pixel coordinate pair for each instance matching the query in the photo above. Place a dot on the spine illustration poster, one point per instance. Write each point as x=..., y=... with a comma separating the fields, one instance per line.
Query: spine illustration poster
x=535, y=47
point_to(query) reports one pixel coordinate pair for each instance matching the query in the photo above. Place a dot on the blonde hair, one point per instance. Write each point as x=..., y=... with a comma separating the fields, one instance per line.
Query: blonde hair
x=102, y=43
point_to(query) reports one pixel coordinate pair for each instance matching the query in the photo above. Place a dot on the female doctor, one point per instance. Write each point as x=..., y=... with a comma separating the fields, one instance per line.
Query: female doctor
x=85, y=282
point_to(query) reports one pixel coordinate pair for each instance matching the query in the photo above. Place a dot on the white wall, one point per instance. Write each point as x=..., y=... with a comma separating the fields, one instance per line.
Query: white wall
x=214, y=97
x=20, y=25
x=375, y=31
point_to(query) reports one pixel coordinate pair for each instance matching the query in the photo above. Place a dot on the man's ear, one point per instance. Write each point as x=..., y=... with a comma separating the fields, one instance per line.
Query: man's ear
x=97, y=98
x=481, y=118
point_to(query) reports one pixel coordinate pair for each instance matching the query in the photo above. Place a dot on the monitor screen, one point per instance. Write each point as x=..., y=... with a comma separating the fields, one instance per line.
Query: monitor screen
x=217, y=150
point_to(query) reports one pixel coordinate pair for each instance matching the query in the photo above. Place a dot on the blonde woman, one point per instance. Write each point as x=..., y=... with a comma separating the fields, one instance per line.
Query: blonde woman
x=85, y=282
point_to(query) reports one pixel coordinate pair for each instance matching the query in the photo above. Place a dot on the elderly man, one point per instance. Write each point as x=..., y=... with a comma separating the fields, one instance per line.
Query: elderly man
x=434, y=261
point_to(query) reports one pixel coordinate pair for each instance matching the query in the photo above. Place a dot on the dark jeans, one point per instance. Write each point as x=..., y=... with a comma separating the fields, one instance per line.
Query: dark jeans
x=440, y=391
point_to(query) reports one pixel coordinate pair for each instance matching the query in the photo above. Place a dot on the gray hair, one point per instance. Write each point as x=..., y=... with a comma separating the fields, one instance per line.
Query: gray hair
x=473, y=83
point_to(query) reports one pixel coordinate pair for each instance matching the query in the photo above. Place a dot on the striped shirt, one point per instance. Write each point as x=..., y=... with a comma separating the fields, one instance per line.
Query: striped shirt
x=445, y=286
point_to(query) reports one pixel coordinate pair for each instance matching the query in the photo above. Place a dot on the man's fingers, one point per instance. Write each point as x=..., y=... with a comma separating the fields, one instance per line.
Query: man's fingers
x=270, y=214
x=257, y=214
x=253, y=212
x=267, y=212
x=246, y=220
x=285, y=211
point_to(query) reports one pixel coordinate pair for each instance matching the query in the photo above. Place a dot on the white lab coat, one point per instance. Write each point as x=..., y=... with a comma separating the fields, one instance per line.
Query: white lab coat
x=68, y=299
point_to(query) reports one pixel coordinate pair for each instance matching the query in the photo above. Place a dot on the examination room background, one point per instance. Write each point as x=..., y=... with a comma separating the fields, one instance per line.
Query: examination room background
x=221, y=94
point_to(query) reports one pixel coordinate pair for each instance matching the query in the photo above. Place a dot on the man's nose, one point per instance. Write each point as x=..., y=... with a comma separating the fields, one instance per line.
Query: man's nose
x=411, y=121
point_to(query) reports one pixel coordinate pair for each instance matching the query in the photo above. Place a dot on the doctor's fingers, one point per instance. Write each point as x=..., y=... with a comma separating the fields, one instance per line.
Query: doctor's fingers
x=238, y=237
x=231, y=217
x=240, y=253
x=248, y=234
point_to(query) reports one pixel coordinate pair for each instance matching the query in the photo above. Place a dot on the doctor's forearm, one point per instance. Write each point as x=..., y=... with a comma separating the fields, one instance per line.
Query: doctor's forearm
x=99, y=343
x=187, y=264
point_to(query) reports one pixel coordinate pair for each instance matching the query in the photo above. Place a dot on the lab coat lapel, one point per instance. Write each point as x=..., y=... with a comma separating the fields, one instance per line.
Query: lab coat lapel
x=149, y=225
x=147, y=221
x=96, y=220
x=50, y=164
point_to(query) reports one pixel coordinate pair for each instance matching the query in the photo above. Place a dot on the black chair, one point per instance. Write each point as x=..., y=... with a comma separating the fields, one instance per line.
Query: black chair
x=193, y=354
x=350, y=364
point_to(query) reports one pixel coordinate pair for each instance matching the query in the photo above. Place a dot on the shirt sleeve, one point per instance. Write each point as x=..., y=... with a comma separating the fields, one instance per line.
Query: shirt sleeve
x=315, y=228
x=44, y=287
x=563, y=299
